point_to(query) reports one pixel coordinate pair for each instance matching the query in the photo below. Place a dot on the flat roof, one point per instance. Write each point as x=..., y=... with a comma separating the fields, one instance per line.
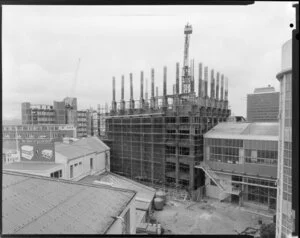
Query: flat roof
x=34, y=166
x=144, y=195
x=39, y=205
x=245, y=130
x=80, y=147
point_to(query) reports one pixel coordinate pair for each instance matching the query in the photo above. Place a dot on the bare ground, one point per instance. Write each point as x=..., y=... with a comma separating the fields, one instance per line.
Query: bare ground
x=212, y=217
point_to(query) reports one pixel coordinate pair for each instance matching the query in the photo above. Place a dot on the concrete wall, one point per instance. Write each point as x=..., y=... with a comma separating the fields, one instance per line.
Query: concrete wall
x=116, y=228
x=82, y=170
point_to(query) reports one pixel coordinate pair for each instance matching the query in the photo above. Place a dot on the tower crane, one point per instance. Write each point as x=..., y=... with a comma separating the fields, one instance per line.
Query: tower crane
x=186, y=76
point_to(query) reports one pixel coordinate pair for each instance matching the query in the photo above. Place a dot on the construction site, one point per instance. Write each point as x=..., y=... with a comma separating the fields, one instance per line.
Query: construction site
x=159, y=140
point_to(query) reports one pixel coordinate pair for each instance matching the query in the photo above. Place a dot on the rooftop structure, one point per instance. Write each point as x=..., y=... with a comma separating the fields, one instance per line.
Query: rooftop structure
x=263, y=105
x=39, y=205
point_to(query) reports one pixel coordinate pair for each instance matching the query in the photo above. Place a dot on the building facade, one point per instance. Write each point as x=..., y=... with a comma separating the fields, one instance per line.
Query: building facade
x=241, y=163
x=263, y=105
x=87, y=122
x=285, y=214
x=158, y=141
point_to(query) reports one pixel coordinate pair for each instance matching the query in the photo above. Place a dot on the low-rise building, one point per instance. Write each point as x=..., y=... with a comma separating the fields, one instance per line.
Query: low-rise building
x=71, y=160
x=144, y=197
x=241, y=163
x=39, y=205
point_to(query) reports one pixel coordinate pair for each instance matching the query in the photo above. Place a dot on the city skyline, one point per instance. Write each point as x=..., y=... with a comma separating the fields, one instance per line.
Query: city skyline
x=41, y=47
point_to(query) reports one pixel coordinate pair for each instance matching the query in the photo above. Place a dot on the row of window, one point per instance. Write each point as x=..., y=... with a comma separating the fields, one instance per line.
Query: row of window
x=224, y=142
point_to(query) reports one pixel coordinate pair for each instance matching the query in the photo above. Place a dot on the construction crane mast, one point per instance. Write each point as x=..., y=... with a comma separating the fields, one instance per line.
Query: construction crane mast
x=186, y=76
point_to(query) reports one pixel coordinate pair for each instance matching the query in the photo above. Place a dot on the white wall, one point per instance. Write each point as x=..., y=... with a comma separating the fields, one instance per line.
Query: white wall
x=116, y=228
x=83, y=170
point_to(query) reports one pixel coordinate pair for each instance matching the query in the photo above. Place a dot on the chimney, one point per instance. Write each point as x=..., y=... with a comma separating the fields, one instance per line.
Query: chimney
x=217, y=89
x=156, y=98
x=200, y=81
x=205, y=81
x=177, y=78
x=212, y=84
x=222, y=87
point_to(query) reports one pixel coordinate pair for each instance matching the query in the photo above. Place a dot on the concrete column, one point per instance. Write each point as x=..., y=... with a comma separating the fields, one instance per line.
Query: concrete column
x=206, y=82
x=114, y=104
x=200, y=81
x=222, y=88
x=177, y=78
x=152, y=100
x=131, y=93
x=217, y=88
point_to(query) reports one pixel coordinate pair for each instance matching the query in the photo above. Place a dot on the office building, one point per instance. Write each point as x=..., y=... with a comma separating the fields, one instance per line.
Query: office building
x=263, y=105
x=38, y=205
x=240, y=162
x=285, y=214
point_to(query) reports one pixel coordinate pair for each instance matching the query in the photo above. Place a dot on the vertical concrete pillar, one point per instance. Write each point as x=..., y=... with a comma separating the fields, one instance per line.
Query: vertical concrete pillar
x=222, y=88
x=200, y=81
x=206, y=82
x=217, y=88
x=177, y=78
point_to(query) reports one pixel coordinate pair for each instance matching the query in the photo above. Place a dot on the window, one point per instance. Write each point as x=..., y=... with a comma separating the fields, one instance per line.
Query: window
x=170, y=150
x=91, y=163
x=71, y=171
x=184, y=119
x=184, y=151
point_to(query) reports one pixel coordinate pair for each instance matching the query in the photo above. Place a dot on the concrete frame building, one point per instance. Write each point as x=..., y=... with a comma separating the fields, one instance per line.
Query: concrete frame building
x=241, y=163
x=158, y=141
x=263, y=105
x=285, y=214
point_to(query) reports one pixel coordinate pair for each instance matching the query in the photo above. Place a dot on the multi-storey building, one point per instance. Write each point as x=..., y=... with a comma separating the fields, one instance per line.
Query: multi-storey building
x=82, y=123
x=159, y=140
x=263, y=105
x=285, y=216
x=240, y=161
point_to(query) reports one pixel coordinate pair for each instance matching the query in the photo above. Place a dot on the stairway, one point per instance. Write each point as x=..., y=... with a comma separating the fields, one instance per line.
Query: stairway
x=224, y=185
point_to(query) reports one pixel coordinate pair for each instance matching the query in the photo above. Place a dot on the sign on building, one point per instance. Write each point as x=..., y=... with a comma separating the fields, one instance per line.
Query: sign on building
x=37, y=150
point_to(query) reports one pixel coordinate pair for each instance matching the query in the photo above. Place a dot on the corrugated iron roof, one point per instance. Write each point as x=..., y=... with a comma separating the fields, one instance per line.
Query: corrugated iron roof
x=144, y=192
x=81, y=147
x=39, y=205
x=41, y=166
x=245, y=130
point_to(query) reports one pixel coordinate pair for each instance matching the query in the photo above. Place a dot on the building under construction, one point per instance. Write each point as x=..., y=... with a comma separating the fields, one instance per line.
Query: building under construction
x=160, y=139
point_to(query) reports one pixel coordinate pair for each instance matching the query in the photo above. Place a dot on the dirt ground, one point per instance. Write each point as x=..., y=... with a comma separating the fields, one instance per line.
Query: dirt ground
x=210, y=217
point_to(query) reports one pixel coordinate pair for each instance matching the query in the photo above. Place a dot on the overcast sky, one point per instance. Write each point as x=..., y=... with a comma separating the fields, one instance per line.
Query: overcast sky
x=42, y=44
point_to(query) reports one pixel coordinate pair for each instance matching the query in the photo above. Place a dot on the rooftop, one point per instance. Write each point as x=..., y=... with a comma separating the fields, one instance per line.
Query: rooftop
x=81, y=147
x=245, y=130
x=33, y=166
x=144, y=195
x=40, y=205
x=268, y=89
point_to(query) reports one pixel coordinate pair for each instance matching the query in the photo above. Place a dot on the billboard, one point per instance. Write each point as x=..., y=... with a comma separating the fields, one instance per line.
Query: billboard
x=37, y=150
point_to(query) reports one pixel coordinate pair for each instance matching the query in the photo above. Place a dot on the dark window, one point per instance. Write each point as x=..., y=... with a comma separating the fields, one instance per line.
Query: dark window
x=91, y=163
x=184, y=150
x=71, y=171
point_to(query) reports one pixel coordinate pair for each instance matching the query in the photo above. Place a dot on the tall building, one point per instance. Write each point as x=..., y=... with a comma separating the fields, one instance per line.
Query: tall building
x=240, y=161
x=158, y=141
x=87, y=122
x=263, y=105
x=285, y=214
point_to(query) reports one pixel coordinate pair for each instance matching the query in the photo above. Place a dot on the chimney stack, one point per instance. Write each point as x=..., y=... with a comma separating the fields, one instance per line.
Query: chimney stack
x=217, y=89
x=200, y=81
x=146, y=94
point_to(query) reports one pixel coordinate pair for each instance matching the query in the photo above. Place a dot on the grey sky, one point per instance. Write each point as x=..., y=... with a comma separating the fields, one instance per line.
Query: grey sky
x=42, y=44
